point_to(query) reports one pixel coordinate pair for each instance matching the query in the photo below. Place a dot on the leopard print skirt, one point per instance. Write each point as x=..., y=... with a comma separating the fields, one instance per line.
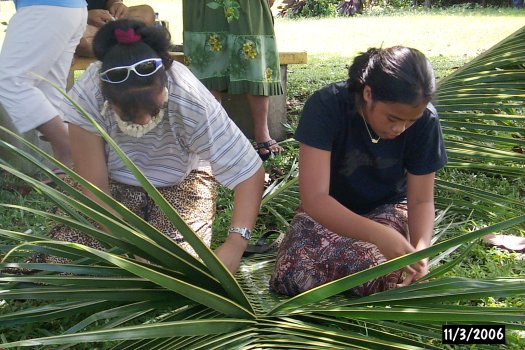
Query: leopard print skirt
x=194, y=198
x=311, y=255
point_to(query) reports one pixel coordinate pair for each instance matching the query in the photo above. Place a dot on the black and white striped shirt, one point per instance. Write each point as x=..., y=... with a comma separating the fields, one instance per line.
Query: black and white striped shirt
x=196, y=131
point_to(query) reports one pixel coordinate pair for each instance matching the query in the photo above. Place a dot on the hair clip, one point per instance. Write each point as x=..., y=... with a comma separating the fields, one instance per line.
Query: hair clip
x=128, y=36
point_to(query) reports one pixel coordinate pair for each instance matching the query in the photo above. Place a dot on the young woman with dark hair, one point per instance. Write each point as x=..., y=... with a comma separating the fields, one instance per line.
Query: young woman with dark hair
x=172, y=128
x=369, y=150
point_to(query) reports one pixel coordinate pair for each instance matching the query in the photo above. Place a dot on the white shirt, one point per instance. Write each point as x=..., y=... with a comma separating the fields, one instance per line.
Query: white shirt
x=196, y=130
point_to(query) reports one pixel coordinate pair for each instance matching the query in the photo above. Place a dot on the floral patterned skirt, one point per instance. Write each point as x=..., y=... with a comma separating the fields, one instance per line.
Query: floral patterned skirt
x=311, y=255
x=231, y=46
x=194, y=199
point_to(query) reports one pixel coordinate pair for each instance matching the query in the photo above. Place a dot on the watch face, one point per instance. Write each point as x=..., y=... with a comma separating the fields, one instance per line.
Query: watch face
x=246, y=234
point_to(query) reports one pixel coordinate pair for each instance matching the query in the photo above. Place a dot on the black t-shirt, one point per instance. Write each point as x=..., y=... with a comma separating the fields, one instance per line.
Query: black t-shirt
x=364, y=175
x=96, y=4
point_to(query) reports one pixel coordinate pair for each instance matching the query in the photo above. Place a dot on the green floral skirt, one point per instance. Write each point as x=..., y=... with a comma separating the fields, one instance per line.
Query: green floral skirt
x=230, y=46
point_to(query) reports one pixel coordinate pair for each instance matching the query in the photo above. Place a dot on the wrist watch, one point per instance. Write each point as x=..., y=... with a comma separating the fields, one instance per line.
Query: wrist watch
x=243, y=231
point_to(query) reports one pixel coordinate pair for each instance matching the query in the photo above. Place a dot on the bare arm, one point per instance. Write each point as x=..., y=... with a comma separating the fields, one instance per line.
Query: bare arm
x=90, y=162
x=314, y=183
x=421, y=212
x=246, y=204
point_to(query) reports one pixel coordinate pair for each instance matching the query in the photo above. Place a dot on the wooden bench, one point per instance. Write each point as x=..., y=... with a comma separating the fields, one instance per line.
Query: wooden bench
x=236, y=105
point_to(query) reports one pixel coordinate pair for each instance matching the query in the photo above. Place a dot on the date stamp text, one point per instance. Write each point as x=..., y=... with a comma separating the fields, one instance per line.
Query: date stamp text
x=473, y=334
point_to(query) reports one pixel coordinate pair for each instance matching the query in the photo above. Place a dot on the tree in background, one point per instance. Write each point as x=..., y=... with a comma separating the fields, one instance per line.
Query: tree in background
x=326, y=8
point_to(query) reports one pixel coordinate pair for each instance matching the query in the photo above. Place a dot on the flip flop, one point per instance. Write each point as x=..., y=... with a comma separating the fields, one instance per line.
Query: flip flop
x=509, y=242
x=267, y=146
x=58, y=172
x=263, y=246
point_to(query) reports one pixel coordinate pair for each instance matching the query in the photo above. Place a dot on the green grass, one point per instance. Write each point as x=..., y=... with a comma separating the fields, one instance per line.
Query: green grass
x=12, y=191
x=434, y=35
x=456, y=31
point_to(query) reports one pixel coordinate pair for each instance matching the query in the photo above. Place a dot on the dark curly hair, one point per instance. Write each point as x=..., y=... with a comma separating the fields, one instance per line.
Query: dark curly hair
x=397, y=74
x=136, y=94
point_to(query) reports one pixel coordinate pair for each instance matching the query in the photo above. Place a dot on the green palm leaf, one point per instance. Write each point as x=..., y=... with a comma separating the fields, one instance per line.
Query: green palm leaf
x=481, y=109
x=168, y=329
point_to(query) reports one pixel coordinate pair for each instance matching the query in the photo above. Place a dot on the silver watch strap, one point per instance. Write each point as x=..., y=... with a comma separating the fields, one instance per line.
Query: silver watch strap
x=243, y=231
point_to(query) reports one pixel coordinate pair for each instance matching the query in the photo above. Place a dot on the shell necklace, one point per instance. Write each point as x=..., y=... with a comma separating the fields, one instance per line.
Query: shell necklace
x=374, y=141
x=138, y=130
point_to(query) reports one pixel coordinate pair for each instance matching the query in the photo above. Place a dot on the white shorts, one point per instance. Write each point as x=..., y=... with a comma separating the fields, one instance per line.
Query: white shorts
x=39, y=45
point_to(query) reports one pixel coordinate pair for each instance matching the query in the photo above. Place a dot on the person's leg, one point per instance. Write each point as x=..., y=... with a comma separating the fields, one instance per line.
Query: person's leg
x=55, y=130
x=254, y=68
x=62, y=232
x=259, y=107
x=194, y=198
x=311, y=255
x=30, y=101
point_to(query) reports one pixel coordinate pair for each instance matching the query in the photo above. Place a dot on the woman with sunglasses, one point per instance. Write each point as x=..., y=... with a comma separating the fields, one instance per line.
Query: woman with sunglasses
x=172, y=128
x=369, y=150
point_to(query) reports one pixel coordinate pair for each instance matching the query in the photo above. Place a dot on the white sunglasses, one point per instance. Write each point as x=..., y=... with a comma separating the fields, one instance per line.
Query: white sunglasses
x=143, y=68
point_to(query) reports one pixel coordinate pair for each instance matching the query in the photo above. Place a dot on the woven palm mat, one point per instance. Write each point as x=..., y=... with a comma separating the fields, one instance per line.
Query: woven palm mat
x=254, y=277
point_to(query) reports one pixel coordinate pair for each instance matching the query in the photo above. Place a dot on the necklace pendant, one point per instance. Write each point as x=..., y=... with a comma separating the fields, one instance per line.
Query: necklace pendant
x=374, y=140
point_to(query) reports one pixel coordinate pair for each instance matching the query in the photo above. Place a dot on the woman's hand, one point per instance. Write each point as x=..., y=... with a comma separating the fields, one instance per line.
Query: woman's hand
x=98, y=18
x=118, y=9
x=393, y=245
x=409, y=277
x=230, y=252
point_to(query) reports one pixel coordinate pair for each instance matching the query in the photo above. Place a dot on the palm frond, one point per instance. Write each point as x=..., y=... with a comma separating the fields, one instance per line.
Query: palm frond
x=481, y=109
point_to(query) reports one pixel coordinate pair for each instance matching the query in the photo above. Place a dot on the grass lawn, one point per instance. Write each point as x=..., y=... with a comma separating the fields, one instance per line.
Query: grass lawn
x=434, y=34
x=452, y=32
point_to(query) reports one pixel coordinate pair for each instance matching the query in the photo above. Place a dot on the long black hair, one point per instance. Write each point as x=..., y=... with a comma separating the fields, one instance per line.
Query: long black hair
x=136, y=94
x=397, y=74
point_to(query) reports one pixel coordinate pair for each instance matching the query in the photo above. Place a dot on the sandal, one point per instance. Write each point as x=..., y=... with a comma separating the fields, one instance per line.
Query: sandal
x=262, y=245
x=267, y=146
x=58, y=172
